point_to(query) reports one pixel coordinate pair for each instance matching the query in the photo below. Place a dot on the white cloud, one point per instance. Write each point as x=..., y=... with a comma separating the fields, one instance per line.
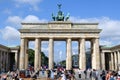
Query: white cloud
x=59, y=43
x=110, y=28
x=106, y=42
x=44, y=49
x=33, y=3
x=60, y=55
x=10, y=34
x=32, y=45
x=87, y=20
x=32, y=18
x=74, y=48
x=73, y=53
x=45, y=42
x=14, y=21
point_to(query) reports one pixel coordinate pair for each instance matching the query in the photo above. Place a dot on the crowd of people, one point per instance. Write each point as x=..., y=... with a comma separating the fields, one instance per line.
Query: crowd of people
x=61, y=74
x=92, y=74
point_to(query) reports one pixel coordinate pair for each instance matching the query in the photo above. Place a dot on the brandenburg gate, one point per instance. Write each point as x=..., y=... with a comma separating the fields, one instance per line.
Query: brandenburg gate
x=60, y=29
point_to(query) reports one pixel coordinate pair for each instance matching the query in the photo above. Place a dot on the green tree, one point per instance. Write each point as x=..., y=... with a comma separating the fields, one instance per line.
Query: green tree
x=31, y=56
x=63, y=63
x=44, y=58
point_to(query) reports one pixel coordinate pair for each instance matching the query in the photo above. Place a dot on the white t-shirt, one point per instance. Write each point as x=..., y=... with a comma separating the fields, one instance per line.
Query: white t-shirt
x=118, y=72
x=79, y=71
x=63, y=77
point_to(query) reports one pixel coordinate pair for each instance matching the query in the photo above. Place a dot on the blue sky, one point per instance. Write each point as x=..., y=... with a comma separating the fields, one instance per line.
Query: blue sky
x=105, y=12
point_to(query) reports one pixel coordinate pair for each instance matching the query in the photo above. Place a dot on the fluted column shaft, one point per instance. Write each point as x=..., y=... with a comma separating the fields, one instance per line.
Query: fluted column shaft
x=82, y=54
x=112, y=64
x=103, y=60
x=37, y=54
x=119, y=60
x=96, y=54
x=22, y=54
x=7, y=64
x=26, y=54
x=51, y=53
x=69, y=55
x=0, y=60
x=40, y=53
x=16, y=60
x=115, y=58
x=4, y=61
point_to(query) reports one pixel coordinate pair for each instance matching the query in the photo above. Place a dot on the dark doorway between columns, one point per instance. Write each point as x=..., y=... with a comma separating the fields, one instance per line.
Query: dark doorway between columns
x=11, y=61
x=107, y=61
x=88, y=55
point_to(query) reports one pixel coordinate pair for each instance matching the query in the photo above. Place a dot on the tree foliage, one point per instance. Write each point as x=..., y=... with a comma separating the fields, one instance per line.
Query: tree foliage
x=63, y=63
x=44, y=58
x=31, y=56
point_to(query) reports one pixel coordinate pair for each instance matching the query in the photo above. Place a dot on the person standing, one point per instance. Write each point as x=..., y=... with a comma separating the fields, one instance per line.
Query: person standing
x=88, y=75
x=108, y=75
x=63, y=76
x=94, y=74
x=79, y=73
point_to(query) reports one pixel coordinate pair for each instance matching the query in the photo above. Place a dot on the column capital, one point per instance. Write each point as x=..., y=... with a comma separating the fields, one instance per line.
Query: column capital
x=37, y=38
x=118, y=51
x=68, y=38
x=23, y=38
x=96, y=37
x=51, y=37
x=82, y=38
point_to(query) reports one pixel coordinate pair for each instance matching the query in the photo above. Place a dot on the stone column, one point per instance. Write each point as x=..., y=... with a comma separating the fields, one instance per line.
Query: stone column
x=40, y=53
x=112, y=64
x=4, y=61
x=115, y=58
x=69, y=55
x=22, y=54
x=118, y=59
x=26, y=54
x=95, y=54
x=7, y=64
x=82, y=54
x=0, y=60
x=109, y=58
x=103, y=60
x=16, y=60
x=51, y=53
x=37, y=54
